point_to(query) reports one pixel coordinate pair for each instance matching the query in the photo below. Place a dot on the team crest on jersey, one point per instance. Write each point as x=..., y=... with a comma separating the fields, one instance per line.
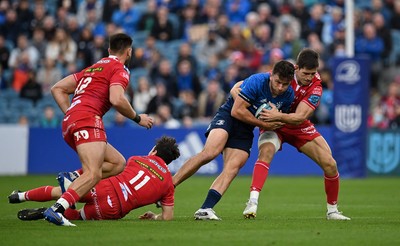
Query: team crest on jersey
x=314, y=99
x=220, y=122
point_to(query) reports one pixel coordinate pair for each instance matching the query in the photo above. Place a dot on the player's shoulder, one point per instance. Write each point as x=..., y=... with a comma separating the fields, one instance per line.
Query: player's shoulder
x=317, y=80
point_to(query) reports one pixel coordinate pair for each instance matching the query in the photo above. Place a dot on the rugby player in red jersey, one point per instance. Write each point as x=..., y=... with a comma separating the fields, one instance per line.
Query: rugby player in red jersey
x=145, y=180
x=95, y=90
x=298, y=132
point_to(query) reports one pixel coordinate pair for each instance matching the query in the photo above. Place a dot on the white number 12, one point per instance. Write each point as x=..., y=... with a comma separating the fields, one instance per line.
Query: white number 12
x=137, y=177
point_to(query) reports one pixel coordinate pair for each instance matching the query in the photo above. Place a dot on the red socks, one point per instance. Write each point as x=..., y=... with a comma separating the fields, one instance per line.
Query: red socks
x=332, y=189
x=41, y=194
x=260, y=174
x=71, y=197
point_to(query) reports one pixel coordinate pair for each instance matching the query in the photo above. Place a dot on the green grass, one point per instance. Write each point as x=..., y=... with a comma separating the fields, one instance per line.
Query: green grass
x=291, y=212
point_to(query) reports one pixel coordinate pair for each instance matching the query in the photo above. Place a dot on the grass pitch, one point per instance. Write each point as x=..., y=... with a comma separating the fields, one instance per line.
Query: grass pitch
x=291, y=212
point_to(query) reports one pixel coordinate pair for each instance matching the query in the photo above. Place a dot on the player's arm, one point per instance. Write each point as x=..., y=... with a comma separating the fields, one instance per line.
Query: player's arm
x=303, y=112
x=121, y=104
x=236, y=89
x=166, y=214
x=61, y=91
x=240, y=112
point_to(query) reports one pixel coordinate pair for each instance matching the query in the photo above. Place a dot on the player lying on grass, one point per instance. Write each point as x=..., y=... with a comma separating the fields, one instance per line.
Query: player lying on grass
x=145, y=180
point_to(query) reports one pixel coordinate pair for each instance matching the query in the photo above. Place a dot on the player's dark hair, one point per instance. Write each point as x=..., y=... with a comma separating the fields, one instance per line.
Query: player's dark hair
x=308, y=59
x=119, y=43
x=284, y=70
x=167, y=149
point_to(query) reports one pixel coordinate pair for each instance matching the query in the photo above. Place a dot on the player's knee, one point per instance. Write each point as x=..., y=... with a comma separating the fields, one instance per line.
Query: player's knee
x=94, y=176
x=266, y=152
x=330, y=167
x=208, y=155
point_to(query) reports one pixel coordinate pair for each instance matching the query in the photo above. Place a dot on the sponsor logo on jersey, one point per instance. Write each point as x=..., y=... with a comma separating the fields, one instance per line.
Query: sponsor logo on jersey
x=109, y=201
x=94, y=69
x=189, y=147
x=103, y=61
x=125, y=75
x=162, y=169
x=314, y=99
x=150, y=169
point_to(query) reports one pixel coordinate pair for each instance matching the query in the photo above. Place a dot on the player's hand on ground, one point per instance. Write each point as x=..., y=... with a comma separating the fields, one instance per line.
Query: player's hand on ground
x=146, y=121
x=148, y=216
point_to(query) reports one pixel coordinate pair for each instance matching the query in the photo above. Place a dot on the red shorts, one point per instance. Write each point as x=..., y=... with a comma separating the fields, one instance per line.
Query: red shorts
x=298, y=136
x=83, y=127
x=101, y=203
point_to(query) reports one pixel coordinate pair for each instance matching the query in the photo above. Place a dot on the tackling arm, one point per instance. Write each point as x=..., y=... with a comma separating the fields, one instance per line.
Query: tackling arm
x=303, y=112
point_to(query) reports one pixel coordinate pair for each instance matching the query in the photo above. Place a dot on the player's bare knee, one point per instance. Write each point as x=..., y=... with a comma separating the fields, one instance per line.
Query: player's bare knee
x=208, y=155
x=329, y=166
x=266, y=152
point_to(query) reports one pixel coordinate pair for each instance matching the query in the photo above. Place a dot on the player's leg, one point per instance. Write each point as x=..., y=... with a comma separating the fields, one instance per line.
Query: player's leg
x=268, y=145
x=91, y=155
x=40, y=194
x=234, y=159
x=213, y=147
x=114, y=162
x=319, y=151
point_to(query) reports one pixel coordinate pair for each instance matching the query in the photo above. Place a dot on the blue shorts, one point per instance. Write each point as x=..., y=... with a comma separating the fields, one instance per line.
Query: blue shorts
x=240, y=134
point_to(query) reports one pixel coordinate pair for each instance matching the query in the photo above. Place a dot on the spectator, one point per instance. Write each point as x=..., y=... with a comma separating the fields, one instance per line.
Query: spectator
x=11, y=27
x=223, y=27
x=100, y=48
x=284, y=22
x=159, y=99
x=371, y=45
x=32, y=90
x=39, y=14
x=40, y=43
x=165, y=75
x=49, y=119
x=143, y=95
x=4, y=53
x=62, y=48
x=164, y=117
x=25, y=16
x=92, y=6
x=229, y=78
x=265, y=16
x=187, y=107
x=162, y=29
x=384, y=33
x=21, y=71
x=109, y=7
x=185, y=53
x=187, y=79
x=252, y=22
x=23, y=46
x=314, y=23
x=237, y=10
x=73, y=28
x=210, y=100
x=211, y=71
x=210, y=45
x=332, y=24
x=395, y=19
x=48, y=75
x=127, y=16
x=148, y=18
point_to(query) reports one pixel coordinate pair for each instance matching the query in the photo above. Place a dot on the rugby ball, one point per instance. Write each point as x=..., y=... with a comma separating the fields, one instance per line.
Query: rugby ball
x=265, y=105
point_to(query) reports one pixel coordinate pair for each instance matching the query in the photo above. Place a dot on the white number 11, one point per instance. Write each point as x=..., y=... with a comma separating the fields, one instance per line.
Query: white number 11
x=137, y=177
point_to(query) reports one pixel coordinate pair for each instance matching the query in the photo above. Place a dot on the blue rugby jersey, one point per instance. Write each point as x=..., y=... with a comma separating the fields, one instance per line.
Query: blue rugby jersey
x=256, y=91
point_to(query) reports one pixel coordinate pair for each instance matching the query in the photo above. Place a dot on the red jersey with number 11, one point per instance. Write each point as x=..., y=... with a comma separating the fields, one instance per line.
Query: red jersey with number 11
x=145, y=180
x=93, y=85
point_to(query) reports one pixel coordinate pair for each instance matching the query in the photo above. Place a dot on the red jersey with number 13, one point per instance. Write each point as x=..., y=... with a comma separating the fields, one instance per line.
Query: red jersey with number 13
x=309, y=94
x=93, y=85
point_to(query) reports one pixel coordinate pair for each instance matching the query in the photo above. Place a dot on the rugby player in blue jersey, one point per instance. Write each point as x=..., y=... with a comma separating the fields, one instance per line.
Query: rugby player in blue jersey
x=231, y=131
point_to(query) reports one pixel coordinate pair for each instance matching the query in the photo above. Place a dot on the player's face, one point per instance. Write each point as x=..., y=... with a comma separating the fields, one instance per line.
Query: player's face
x=304, y=76
x=278, y=85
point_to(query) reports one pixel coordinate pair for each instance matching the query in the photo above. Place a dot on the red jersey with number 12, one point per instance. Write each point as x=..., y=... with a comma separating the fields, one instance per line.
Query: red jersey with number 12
x=93, y=85
x=145, y=180
x=309, y=94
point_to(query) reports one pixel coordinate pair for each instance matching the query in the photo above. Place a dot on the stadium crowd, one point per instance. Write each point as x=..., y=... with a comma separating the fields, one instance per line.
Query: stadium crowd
x=188, y=53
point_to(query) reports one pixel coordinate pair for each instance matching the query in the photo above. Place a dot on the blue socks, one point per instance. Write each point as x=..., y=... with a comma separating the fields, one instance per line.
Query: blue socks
x=212, y=199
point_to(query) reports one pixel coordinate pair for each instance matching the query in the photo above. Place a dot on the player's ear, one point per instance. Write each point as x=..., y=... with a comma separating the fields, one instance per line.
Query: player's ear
x=296, y=67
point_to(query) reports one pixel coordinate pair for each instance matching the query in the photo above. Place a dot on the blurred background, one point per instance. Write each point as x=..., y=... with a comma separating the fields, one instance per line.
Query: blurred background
x=187, y=55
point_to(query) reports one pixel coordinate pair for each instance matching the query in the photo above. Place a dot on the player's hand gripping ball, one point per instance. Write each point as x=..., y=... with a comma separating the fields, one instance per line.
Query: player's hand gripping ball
x=266, y=106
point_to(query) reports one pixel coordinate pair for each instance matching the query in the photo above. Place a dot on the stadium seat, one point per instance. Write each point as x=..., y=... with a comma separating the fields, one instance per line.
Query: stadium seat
x=139, y=38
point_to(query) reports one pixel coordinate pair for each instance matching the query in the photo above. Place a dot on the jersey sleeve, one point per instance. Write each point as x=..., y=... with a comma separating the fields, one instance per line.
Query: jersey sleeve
x=313, y=96
x=120, y=77
x=168, y=199
x=78, y=75
x=250, y=87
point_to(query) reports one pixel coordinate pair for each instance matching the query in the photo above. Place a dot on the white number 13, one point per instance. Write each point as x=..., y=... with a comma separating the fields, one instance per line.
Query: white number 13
x=137, y=177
